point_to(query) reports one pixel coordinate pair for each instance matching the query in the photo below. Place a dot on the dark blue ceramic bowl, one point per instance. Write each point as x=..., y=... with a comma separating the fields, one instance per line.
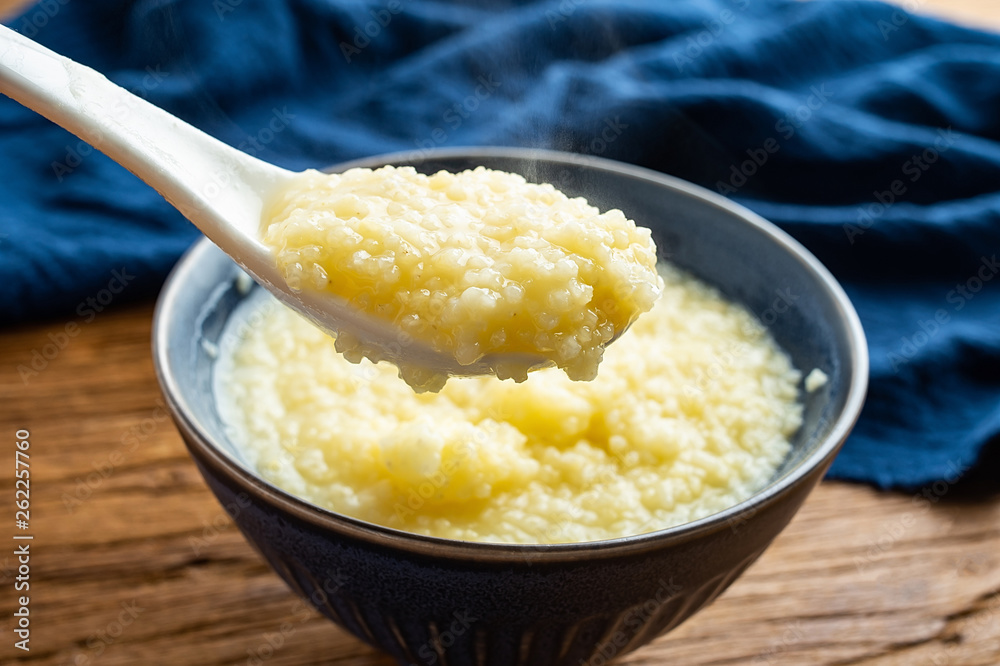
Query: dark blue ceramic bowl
x=434, y=601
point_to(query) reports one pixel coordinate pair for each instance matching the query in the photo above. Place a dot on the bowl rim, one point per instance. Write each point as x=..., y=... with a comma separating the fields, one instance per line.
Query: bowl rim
x=205, y=451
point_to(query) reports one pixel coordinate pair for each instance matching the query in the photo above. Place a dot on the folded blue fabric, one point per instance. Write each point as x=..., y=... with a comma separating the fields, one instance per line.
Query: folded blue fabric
x=868, y=133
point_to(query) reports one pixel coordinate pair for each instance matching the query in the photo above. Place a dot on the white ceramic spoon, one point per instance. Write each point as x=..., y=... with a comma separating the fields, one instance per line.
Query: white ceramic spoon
x=218, y=188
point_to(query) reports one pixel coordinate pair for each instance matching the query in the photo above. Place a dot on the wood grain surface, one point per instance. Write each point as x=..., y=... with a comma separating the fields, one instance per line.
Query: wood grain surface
x=133, y=561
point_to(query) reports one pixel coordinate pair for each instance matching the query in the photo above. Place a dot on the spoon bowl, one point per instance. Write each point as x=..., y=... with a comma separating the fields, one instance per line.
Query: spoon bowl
x=220, y=189
x=529, y=605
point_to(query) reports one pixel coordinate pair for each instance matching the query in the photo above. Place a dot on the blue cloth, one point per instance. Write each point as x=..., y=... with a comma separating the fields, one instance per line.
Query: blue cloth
x=868, y=133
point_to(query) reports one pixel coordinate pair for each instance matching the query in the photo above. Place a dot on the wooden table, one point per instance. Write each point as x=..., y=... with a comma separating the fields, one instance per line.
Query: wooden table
x=133, y=562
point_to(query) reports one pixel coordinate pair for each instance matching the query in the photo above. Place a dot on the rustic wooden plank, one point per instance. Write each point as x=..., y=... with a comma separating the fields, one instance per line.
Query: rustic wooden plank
x=859, y=577
x=832, y=599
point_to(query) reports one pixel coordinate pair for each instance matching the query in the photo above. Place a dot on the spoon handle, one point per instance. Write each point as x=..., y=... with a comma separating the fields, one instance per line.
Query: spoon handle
x=214, y=185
